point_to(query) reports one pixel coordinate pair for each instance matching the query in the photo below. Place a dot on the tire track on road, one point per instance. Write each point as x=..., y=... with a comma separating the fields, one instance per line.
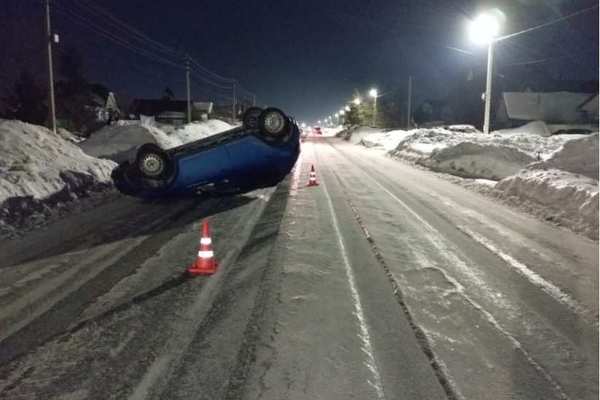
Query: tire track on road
x=419, y=332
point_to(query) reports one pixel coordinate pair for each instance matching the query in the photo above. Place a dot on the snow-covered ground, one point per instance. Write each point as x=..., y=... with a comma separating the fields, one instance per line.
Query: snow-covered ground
x=327, y=132
x=117, y=142
x=38, y=166
x=568, y=199
x=556, y=172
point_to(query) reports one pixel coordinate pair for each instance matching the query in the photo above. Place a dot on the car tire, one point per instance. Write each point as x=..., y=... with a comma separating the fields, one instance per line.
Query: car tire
x=274, y=125
x=153, y=162
x=251, y=117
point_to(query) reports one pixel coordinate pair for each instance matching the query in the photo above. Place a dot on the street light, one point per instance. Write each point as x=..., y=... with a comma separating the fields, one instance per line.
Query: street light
x=347, y=108
x=357, y=101
x=484, y=29
x=373, y=94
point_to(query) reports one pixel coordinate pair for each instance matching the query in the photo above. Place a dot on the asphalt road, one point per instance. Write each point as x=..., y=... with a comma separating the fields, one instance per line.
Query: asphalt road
x=383, y=282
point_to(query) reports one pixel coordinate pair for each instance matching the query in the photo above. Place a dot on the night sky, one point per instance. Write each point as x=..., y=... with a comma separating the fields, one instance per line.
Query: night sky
x=307, y=57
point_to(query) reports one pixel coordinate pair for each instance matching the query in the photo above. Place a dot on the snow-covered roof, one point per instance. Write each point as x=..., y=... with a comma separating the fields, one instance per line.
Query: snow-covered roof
x=590, y=105
x=558, y=107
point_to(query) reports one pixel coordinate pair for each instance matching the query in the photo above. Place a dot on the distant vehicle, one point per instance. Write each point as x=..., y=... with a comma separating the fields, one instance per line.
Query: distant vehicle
x=258, y=154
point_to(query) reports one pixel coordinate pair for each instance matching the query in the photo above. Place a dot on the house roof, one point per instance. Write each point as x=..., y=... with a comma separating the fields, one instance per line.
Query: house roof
x=559, y=107
x=157, y=106
x=590, y=105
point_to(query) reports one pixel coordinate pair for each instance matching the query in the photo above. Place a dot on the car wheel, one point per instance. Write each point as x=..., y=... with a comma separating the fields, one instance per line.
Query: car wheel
x=274, y=125
x=153, y=162
x=250, y=118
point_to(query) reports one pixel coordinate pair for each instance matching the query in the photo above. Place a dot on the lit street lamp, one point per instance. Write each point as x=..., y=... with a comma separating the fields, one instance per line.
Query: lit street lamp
x=484, y=30
x=373, y=94
x=347, y=108
x=357, y=101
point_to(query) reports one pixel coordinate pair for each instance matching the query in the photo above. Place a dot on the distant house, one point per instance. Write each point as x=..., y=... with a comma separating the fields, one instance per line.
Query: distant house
x=590, y=108
x=170, y=111
x=109, y=111
x=516, y=108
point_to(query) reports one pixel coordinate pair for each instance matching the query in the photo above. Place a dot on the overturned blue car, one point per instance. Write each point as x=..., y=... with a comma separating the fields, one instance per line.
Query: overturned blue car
x=260, y=153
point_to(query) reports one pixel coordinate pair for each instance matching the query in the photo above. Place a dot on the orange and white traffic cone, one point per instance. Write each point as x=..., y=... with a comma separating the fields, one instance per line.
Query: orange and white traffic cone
x=312, y=178
x=205, y=262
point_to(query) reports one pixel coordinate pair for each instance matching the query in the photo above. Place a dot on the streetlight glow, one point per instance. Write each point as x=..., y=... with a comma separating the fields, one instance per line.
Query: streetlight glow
x=357, y=101
x=347, y=108
x=342, y=112
x=485, y=28
x=373, y=93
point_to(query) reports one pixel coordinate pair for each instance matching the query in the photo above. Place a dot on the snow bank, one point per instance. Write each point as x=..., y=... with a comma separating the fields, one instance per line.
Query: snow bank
x=540, y=128
x=566, y=198
x=579, y=156
x=329, y=132
x=118, y=142
x=356, y=134
x=474, y=160
x=464, y=151
x=555, y=177
x=36, y=165
x=191, y=132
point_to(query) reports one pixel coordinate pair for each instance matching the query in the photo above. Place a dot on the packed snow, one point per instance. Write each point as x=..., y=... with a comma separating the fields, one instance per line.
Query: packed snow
x=540, y=128
x=569, y=199
x=579, y=156
x=328, y=132
x=36, y=165
x=464, y=152
x=556, y=172
x=117, y=142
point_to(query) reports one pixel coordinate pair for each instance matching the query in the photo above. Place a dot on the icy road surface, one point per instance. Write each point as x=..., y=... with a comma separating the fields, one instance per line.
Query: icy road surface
x=384, y=282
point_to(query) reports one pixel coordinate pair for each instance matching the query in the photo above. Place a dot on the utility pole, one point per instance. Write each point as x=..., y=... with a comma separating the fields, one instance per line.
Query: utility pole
x=187, y=79
x=375, y=112
x=52, y=110
x=234, y=103
x=409, y=111
x=488, y=88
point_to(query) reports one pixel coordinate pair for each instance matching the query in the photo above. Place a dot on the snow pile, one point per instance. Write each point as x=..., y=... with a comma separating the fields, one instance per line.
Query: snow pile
x=540, y=128
x=460, y=151
x=328, y=132
x=36, y=165
x=579, y=156
x=386, y=140
x=475, y=160
x=554, y=176
x=191, y=132
x=567, y=198
x=356, y=134
x=119, y=142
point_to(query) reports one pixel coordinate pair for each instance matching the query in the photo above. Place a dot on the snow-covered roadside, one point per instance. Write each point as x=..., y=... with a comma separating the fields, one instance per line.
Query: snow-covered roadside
x=567, y=199
x=540, y=173
x=39, y=169
x=465, y=154
x=117, y=142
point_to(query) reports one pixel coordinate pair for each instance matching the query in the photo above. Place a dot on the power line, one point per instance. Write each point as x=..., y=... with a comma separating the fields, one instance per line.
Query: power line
x=546, y=24
x=89, y=24
x=130, y=38
x=126, y=27
x=137, y=35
